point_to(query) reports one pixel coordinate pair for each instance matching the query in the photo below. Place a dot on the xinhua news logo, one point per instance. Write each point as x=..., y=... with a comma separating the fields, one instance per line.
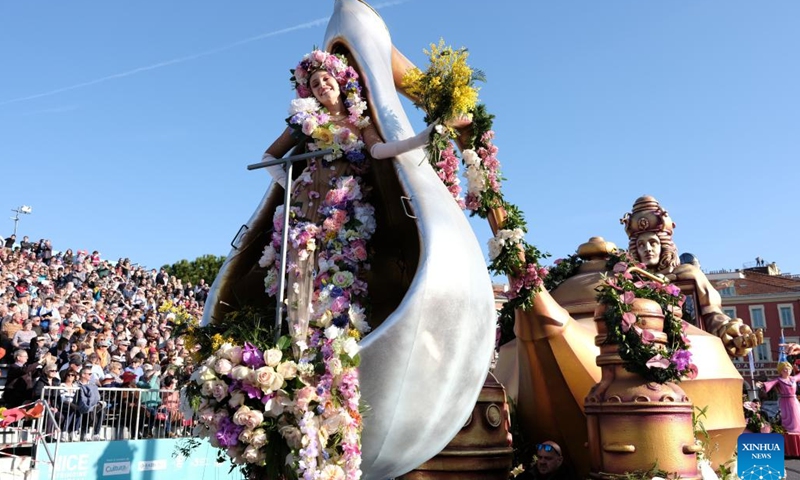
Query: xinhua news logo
x=761, y=456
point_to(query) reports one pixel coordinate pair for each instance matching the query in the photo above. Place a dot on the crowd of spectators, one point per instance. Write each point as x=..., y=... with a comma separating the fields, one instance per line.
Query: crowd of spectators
x=77, y=320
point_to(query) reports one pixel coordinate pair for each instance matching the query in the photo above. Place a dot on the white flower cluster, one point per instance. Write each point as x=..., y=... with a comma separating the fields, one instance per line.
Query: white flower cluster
x=502, y=239
x=476, y=177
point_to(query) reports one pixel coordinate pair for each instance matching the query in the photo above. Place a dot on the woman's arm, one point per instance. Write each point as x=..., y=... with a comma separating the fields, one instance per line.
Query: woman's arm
x=379, y=149
x=278, y=149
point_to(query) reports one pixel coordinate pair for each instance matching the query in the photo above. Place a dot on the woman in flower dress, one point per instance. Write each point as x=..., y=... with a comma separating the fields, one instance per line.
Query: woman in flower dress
x=787, y=393
x=331, y=220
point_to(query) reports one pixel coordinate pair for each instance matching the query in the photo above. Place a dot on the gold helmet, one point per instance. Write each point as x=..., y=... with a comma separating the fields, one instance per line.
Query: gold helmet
x=647, y=216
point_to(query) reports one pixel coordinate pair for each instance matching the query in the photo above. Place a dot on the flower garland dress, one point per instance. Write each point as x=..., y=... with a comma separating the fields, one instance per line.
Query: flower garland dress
x=329, y=227
x=788, y=404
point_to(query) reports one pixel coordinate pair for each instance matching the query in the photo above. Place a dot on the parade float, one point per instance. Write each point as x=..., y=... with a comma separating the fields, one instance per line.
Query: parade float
x=403, y=398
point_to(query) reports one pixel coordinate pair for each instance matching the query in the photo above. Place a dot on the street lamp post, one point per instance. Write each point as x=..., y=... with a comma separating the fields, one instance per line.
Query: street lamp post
x=23, y=209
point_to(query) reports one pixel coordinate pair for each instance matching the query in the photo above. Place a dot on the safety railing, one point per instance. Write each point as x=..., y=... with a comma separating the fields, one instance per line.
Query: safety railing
x=120, y=414
x=26, y=424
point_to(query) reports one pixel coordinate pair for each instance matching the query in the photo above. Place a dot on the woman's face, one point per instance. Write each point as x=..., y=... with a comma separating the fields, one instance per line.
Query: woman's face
x=648, y=246
x=324, y=87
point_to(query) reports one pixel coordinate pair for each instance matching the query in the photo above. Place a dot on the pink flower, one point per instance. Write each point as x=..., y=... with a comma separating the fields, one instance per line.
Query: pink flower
x=672, y=290
x=628, y=320
x=658, y=362
x=303, y=397
x=620, y=267
x=612, y=282
x=627, y=298
x=647, y=335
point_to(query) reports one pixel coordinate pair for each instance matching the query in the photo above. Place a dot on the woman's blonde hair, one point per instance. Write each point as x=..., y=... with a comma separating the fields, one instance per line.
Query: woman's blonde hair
x=782, y=365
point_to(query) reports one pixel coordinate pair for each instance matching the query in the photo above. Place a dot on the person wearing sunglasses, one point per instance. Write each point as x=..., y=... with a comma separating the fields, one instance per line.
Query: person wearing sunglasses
x=548, y=464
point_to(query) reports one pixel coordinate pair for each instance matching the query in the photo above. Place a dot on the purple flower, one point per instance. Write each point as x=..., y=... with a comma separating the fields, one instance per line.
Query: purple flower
x=228, y=433
x=672, y=290
x=234, y=385
x=341, y=321
x=681, y=359
x=336, y=292
x=251, y=391
x=252, y=356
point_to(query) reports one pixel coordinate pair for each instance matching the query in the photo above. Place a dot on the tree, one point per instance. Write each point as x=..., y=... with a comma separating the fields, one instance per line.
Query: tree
x=206, y=267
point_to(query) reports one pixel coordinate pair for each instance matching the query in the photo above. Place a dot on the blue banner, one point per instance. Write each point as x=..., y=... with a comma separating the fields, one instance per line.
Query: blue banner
x=134, y=460
x=760, y=456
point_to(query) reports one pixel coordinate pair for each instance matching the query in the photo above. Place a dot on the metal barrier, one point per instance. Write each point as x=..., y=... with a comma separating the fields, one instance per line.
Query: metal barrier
x=121, y=414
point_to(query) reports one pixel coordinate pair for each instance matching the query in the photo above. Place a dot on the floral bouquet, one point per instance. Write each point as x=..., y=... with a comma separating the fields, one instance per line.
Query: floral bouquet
x=655, y=361
x=756, y=419
x=277, y=414
x=446, y=92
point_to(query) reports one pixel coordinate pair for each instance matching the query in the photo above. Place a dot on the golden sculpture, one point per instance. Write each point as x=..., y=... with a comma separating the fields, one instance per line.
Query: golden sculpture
x=551, y=369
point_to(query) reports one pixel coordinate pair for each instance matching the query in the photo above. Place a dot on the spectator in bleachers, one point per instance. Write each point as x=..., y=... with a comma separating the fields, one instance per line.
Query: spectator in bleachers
x=61, y=351
x=74, y=364
x=91, y=410
x=136, y=367
x=110, y=309
x=10, y=327
x=19, y=381
x=22, y=338
x=36, y=351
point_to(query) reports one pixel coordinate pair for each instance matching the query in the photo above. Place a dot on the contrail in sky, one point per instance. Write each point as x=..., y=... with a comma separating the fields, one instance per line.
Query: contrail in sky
x=166, y=63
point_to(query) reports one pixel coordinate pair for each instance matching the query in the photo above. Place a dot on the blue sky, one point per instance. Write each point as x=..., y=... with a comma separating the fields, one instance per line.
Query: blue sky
x=127, y=126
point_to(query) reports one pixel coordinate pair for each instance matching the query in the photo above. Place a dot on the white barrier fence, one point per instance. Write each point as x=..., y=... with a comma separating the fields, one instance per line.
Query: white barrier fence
x=121, y=414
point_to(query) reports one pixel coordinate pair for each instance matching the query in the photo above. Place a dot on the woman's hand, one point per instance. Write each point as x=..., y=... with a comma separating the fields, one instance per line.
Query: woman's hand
x=459, y=122
x=790, y=348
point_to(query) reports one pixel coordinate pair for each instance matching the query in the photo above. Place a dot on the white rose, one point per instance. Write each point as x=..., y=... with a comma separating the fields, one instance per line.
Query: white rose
x=251, y=454
x=202, y=375
x=259, y=438
x=240, y=372
x=277, y=382
x=288, y=369
x=264, y=378
x=219, y=391
x=210, y=361
x=207, y=387
x=246, y=436
x=237, y=399
x=272, y=357
x=223, y=366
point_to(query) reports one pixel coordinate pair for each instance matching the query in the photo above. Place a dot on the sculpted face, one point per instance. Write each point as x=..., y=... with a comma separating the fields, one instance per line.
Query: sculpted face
x=324, y=87
x=648, y=246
